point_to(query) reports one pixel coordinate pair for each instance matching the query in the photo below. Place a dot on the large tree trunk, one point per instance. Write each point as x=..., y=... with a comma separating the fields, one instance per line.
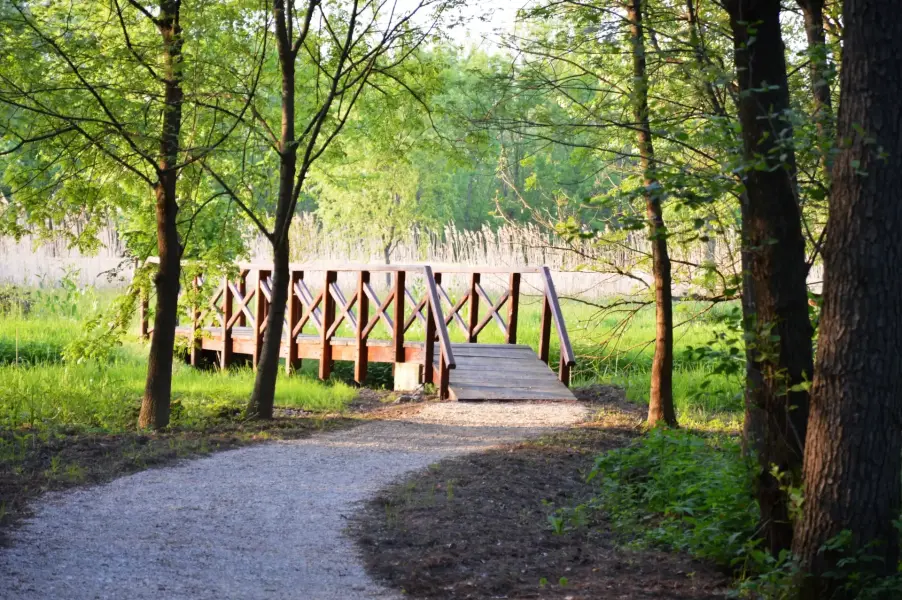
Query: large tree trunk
x=155, y=403
x=660, y=401
x=263, y=397
x=772, y=238
x=854, y=443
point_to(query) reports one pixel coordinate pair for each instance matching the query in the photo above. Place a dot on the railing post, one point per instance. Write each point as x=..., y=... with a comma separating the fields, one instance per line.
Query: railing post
x=143, y=310
x=443, y=375
x=363, y=317
x=398, y=333
x=564, y=371
x=226, y=356
x=545, y=335
x=292, y=362
x=513, y=308
x=474, y=309
x=195, y=317
x=429, y=348
x=260, y=312
x=325, y=361
x=241, y=284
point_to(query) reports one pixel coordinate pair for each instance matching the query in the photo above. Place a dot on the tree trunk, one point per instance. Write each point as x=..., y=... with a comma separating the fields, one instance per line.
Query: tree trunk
x=772, y=237
x=264, y=394
x=262, y=398
x=819, y=74
x=854, y=444
x=660, y=400
x=157, y=390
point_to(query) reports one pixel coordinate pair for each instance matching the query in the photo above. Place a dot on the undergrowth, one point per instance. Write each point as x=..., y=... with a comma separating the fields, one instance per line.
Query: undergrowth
x=691, y=492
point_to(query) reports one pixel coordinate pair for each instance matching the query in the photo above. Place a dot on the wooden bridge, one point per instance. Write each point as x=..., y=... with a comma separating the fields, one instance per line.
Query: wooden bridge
x=408, y=327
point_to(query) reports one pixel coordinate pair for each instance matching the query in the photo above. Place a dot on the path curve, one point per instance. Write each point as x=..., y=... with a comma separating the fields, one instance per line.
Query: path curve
x=264, y=521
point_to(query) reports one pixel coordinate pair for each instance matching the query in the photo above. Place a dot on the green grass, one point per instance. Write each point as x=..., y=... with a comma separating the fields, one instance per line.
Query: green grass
x=38, y=389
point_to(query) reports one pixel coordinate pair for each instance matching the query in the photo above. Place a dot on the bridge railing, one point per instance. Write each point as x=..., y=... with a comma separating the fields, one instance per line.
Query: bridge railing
x=231, y=316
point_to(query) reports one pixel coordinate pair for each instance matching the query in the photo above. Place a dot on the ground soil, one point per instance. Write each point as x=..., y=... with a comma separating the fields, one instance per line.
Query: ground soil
x=477, y=526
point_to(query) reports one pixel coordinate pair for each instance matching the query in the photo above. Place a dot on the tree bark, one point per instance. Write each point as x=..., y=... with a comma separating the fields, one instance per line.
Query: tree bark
x=772, y=237
x=263, y=397
x=157, y=390
x=854, y=444
x=660, y=400
x=819, y=73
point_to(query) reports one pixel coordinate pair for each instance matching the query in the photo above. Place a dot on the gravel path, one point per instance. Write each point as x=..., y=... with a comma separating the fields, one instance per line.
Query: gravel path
x=260, y=522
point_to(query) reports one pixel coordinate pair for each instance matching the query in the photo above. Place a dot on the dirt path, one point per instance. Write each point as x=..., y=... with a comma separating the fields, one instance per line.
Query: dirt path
x=265, y=521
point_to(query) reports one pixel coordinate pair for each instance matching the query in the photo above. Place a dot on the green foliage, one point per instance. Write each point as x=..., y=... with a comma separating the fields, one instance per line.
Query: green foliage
x=683, y=491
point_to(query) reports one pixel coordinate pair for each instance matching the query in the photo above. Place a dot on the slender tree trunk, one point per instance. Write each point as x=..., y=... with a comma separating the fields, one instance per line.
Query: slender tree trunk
x=819, y=74
x=263, y=397
x=854, y=445
x=660, y=401
x=264, y=394
x=772, y=238
x=155, y=403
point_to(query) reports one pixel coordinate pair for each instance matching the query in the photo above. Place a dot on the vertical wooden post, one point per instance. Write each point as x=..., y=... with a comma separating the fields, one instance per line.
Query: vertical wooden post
x=226, y=355
x=474, y=309
x=363, y=317
x=292, y=363
x=429, y=349
x=564, y=371
x=143, y=313
x=195, y=318
x=325, y=361
x=443, y=375
x=513, y=308
x=545, y=336
x=241, y=284
x=260, y=312
x=398, y=333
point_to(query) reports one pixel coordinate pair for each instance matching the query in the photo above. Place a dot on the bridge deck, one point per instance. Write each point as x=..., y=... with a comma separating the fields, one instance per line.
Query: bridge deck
x=503, y=372
x=483, y=372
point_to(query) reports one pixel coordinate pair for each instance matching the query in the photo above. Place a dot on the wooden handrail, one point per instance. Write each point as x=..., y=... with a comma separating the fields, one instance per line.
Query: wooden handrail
x=255, y=266
x=551, y=296
x=436, y=307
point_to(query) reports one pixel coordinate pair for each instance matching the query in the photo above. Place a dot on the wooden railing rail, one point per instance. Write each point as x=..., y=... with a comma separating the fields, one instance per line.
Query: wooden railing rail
x=551, y=311
x=436, y=328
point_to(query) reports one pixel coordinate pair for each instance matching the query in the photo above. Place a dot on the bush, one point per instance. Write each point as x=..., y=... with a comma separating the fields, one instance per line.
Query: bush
x=681, y=490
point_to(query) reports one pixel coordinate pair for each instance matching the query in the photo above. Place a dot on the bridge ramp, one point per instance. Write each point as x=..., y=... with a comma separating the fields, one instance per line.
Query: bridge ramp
x=503, y=372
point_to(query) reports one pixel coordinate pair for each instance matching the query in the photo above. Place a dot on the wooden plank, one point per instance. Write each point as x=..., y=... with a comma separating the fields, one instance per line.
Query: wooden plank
x=522, y=379
x=545, y=335
x=473, y=312
x=558, y=316
x=325, y=363
x=463, y=346
x=226, y=356
x=196, y=347
x=144, y=310
x=474, y=392
x=429, y=352
x=398, y=329
x=479, y=365
x=361, y=358
x=513, y=308
x=292, y=362
x=435, y=306
x=260, y=314
x=495, y=353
